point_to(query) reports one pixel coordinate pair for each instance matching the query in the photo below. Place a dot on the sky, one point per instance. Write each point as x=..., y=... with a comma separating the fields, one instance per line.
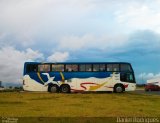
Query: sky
x=80, y=30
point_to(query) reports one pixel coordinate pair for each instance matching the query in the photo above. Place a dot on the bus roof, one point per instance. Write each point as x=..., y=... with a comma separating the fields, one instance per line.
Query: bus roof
x=77, y=63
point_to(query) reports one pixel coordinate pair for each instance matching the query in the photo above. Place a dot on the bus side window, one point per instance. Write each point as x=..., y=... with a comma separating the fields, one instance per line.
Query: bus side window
x=125, y=67
x=95, y=67
x=109, y=67
x=31, y=68
x=58, y=67
x=88, y=67
x=98, y=67
x=74, y=67
x=68, y=68
x=127, y=77
x=85, y=67
x=82, y=67
x=43, y=68
x=115, y=67
x=102, y=67
x=71, y=67
x=40, y=68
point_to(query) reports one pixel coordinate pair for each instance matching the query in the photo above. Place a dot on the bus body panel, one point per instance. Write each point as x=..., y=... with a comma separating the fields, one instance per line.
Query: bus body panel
x=32, y=85
x=78, y=81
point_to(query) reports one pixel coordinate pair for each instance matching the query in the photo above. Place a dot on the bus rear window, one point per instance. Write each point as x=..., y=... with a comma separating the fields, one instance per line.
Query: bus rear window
x=43, y=68
x=126, y=67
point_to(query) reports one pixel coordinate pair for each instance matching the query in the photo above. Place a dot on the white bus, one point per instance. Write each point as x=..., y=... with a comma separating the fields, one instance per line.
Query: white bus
x=69, y=77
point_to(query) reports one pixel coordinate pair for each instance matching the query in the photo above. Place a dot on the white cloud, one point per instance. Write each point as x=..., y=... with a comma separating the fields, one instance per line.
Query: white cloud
x=73, y=24
x=12, y=61
x=30, y=23
x=137, y=16
x=32, y=55
x=147, y=76
x=26, y=21
x=58, y=57
x=103, y=42
x=76, y=42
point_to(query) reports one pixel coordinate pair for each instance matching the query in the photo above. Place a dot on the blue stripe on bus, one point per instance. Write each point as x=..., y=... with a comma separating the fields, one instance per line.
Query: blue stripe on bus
x=69, y=75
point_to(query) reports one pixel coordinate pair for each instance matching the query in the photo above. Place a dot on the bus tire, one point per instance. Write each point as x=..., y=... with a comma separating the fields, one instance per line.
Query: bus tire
x=119, y=88
x=65, y=88
x=53, y=88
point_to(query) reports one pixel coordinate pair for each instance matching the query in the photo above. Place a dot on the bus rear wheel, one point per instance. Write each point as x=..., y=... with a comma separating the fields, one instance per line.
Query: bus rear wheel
x=119, y=88
x=65, y=88
x=53, y=88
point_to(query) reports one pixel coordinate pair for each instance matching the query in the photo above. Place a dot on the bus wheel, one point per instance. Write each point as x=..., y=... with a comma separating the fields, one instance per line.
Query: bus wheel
x=65, y=88
x=119, y=88
x=53, y=88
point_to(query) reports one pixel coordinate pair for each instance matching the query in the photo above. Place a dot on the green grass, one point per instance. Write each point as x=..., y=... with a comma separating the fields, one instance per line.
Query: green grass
x=14, y=104
x=140, y=88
